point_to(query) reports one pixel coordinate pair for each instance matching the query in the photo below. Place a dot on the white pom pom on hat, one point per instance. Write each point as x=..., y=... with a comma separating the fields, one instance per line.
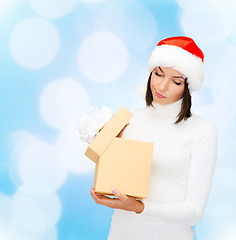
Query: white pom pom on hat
x=182, y=54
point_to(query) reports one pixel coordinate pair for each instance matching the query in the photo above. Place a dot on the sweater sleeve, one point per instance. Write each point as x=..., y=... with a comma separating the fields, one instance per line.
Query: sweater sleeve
x=198, y=185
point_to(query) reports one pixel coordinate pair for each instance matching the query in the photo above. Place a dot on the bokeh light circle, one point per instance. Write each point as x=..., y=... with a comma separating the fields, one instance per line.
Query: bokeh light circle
x=139, y=27
x=2, y=235
x=62, y=102
x=102, y=57
x=39, y=164
x=224, y=78
x=36, y=214
x=5, y=210
x=227, y=232
x=19, y=141
x=53, y=8
x=34, y=43
x=93, y=1
x=222, y=120
x=71, y=151
x=206, y=21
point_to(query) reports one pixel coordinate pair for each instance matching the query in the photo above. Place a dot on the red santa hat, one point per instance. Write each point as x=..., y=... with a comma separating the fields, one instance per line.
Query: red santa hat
x=182, y=54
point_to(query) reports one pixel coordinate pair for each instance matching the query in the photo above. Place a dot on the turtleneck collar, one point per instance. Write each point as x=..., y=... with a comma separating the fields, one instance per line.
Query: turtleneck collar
x=167, y=111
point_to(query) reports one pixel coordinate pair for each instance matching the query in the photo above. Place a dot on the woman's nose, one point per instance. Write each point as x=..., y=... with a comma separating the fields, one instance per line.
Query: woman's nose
x=164, y=85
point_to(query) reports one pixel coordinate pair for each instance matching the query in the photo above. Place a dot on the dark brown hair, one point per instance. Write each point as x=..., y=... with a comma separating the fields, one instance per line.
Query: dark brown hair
x=185, y=111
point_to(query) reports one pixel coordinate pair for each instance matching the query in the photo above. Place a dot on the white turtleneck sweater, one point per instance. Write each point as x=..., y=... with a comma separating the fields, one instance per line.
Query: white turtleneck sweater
x=181, y=174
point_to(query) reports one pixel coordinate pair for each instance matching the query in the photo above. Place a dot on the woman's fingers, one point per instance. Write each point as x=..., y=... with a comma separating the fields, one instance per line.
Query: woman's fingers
x=119, y=195
x=104, y=200
x=99, y=198
x=121, y=132
x=122, y=201
x=96, y=195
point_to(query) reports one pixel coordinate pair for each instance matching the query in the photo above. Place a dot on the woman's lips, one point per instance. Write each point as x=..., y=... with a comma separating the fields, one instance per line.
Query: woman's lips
x=159, y=95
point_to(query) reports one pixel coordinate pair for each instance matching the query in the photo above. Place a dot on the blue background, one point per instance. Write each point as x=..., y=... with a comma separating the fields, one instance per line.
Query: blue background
x=138, y=25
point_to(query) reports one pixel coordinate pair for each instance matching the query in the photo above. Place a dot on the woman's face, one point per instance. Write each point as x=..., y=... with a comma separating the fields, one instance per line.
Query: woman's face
x=167, y=85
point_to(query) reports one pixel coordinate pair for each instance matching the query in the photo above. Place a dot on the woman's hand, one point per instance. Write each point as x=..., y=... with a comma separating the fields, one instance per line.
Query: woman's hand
x=122, y=201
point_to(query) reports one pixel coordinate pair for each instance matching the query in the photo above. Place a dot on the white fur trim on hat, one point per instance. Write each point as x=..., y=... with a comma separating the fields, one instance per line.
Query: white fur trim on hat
x=182, y=61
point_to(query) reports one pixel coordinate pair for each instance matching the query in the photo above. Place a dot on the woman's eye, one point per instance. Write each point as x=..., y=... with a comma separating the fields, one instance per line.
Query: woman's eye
x=177, y=83
x=157, y=74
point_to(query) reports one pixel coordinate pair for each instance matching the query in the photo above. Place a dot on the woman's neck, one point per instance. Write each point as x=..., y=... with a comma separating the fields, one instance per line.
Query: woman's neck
x=167, y=111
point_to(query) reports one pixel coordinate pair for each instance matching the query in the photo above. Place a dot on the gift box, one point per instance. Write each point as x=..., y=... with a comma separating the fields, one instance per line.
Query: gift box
x=121, y=163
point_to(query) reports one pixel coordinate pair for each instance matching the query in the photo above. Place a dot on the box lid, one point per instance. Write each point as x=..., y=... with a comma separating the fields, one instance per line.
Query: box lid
x=108, y=133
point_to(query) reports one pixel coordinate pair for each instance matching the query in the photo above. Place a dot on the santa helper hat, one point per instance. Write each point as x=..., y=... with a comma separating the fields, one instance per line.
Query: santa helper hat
x=182, y=54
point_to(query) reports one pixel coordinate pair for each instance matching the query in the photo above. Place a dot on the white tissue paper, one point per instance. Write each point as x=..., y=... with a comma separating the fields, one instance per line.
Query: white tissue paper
x=90, y=124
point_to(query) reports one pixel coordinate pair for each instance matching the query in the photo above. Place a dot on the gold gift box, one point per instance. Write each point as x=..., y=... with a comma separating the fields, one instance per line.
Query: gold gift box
x=124, y=164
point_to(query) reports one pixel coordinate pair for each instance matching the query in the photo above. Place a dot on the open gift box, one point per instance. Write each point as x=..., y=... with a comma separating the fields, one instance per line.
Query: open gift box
x=121, y=163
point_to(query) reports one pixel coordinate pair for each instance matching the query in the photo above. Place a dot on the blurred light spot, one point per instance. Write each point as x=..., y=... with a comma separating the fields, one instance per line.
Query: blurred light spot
x=206, y=21
x=39, y=164
x=222, y=210
x=36, y=214
x=92, y=1
x=210, y=60
x=19, y=141
x=102, y=57
x=222, y=120
x=230, y=3
x=228, y=232
x=225, y=80
x=50, y=234
x=98, y=18
x=182, y=3
x=226, y=175
x=139, y=27
x=234, y=34
x=15, y=231
x=71, y=151
x=62, y=102
x=2, y=235
x=53, y=8
x=5, y=211
x=4, y=4
x=34, y=43
x=87, y=14
x=227, y=153
x=203, y=97
x=34, y=188
x=109, y=20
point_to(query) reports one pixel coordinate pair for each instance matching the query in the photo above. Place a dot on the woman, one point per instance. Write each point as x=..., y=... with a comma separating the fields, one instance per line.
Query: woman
x=184, y=154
